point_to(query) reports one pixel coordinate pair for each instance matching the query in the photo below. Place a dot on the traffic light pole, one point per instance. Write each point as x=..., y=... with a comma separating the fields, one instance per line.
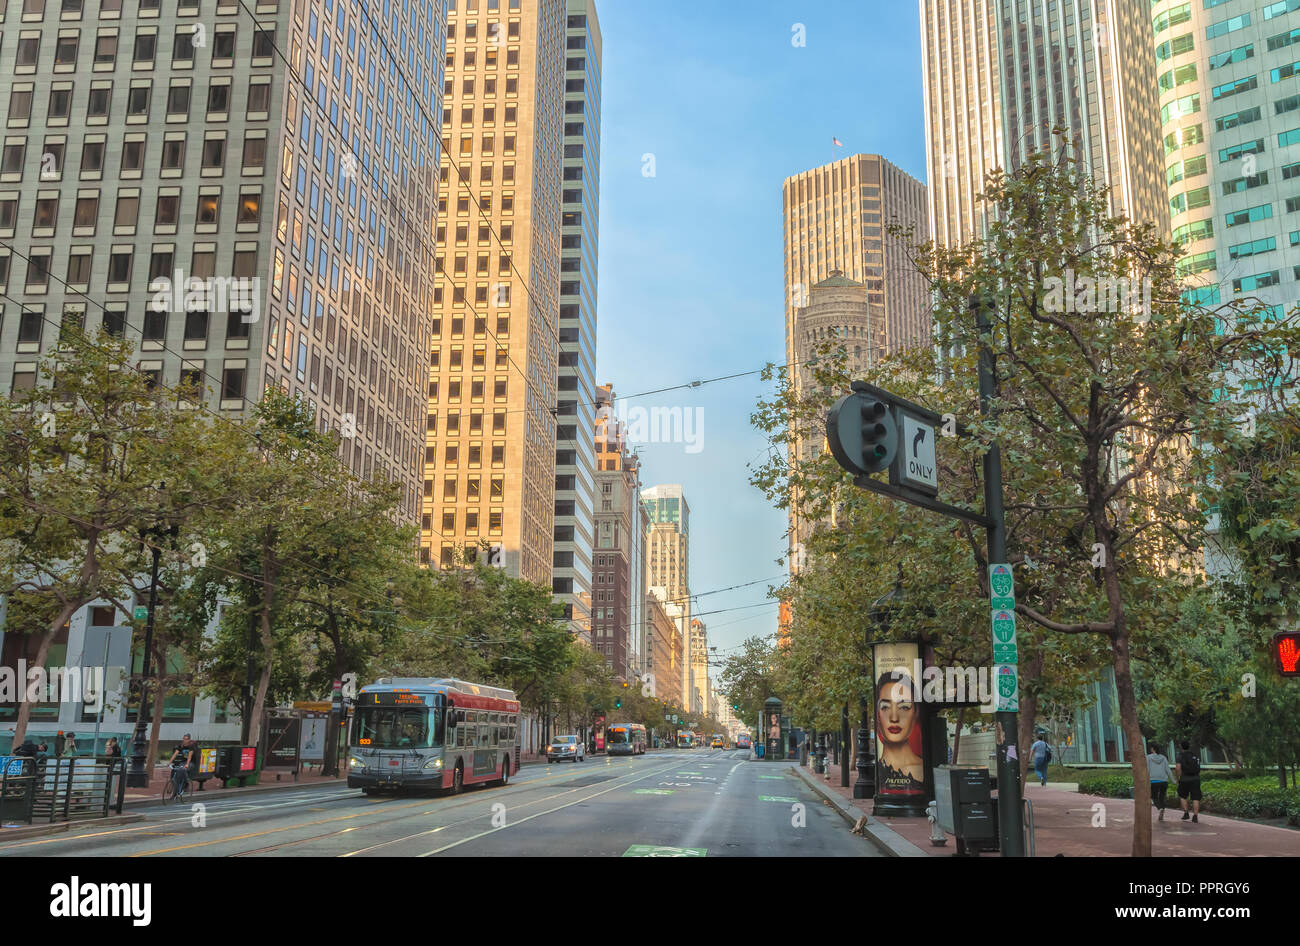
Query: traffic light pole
x=1010, y=806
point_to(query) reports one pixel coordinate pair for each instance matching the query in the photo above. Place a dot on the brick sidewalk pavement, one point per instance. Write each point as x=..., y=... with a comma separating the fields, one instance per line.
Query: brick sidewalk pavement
x=1063, y=823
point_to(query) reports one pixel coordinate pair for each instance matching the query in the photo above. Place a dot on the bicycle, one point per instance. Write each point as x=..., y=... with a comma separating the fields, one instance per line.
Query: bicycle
x=173, y=791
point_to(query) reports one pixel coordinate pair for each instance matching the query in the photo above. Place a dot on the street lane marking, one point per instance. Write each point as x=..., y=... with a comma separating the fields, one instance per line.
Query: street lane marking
x=780, y=798
x=606, y=791
x=244, y=807
x=654, y=850
x=652, y=791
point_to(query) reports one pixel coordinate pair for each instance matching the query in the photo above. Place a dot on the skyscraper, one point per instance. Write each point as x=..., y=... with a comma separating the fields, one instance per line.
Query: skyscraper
x=999, y=75
x=162, y=143
x=835, y=221
x=1229, y=87
x=668, y=560
x=575, y=459
x=618, y=586
x=491, y=431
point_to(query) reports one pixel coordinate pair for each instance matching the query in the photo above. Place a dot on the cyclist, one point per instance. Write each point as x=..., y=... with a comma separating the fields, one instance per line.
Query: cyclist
x=185, y=756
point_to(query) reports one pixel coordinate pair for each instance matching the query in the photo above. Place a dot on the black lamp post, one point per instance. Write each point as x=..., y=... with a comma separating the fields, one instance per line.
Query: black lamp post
x=137, y=777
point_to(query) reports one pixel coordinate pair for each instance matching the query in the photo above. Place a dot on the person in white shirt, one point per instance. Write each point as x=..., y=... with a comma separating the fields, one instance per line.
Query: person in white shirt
x=1159, y=773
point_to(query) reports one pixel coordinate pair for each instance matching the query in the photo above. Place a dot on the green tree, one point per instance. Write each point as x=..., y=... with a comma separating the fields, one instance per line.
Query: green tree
x=82, y=455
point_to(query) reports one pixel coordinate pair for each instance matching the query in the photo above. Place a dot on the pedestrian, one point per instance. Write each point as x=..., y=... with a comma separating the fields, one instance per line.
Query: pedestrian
x=1160, y=775
x=43, y=751
x=27, y=750
x=1040, y=754
x=70, y=746
x=112, y=749
x=1189, y=781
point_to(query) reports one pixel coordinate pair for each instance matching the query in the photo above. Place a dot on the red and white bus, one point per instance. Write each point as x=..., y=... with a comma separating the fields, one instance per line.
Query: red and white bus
x=625, y=739
x=432, y=733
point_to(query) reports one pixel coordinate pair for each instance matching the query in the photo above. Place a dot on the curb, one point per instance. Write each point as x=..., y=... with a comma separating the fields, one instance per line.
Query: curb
x=220, y=793
x=62, y=827
x=889, y=842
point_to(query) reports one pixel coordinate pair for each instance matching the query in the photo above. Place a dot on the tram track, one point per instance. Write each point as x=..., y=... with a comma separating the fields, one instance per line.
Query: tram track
x=379, y=822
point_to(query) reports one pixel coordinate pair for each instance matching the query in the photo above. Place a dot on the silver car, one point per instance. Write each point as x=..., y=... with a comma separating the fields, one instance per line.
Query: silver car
x=565, y=747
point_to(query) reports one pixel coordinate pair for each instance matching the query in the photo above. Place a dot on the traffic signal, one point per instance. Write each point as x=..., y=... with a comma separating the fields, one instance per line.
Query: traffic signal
x=1286, y=648
x=862, y=433
x=618, y=704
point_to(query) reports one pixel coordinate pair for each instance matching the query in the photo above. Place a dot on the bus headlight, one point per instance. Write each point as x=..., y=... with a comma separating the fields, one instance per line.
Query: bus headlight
x=433, y=764
x=355, y=763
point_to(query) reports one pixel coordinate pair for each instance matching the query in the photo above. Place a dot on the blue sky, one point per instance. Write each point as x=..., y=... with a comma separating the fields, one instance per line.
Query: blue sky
x=690, y=273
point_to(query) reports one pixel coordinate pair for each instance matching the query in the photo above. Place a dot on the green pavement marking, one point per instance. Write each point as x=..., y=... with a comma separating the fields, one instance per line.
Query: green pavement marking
x=654, y=850
x=778, y=777
x=652, y=791
x=690, y=773
x=777, y=798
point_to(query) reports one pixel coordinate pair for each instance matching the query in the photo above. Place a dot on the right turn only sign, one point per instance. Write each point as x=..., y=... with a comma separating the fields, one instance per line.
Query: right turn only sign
x=916, y=455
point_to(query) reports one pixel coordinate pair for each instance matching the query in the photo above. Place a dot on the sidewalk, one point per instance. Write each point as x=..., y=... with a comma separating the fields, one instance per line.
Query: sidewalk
x=1063, y=824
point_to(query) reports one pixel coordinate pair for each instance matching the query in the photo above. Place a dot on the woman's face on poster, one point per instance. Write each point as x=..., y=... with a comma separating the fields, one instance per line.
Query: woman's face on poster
x=895, y=713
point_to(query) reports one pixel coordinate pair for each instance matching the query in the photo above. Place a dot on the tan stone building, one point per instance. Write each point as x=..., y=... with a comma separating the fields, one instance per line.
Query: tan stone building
x=835, y=220
x=664, y=651
x=491, y=432
x=999, y=75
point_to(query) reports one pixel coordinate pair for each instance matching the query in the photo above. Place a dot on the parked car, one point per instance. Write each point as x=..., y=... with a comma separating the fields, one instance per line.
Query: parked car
x=565, y=747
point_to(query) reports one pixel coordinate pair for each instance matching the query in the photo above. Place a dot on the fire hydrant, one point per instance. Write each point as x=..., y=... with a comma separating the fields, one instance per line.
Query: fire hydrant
x=937, y=837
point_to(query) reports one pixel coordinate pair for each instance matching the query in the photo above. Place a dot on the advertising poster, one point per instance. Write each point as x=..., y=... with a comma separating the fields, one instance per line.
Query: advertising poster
x=900, y=768
x=281, y=742
x=311, y=742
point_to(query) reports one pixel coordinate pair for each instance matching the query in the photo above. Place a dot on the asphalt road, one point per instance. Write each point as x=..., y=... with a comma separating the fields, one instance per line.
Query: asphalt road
x=670, y=803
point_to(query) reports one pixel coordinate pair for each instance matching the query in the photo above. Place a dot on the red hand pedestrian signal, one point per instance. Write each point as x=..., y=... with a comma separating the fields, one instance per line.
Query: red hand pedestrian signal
x=1287, y=648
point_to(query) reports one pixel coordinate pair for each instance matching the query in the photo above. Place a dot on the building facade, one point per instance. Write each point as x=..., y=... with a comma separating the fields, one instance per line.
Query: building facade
x=664, y=654
x=157, y=148
x=700, y=691
x=1229, y=85
x=575, y=462
x=489, y=462
x=667, y=559
x=1000, y=75
x=835, y=221
x=618, y=582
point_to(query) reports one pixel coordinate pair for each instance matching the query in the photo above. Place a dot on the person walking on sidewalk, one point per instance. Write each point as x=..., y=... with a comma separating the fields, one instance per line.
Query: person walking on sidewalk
x=1189, y=781
x=1160, y=775
x=1039, y=753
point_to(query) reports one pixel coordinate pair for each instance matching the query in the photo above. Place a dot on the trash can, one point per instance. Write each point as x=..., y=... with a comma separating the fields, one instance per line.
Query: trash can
x=758, y=751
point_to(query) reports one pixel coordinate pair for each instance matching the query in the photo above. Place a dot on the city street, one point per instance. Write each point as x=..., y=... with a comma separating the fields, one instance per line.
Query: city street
x=673, y=803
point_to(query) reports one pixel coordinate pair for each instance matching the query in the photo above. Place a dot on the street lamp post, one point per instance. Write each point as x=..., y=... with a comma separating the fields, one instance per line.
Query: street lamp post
x=138, y=777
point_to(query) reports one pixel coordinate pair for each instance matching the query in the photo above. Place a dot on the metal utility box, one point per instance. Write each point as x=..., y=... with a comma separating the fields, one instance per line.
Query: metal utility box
x=965, y=806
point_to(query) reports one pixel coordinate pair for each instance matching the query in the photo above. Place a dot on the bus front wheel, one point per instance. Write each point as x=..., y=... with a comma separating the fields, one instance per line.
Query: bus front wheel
x=505, y=772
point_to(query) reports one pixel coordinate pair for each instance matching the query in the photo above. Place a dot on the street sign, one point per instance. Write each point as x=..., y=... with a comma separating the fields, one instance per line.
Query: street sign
x=1002, y=584
x=1008, y=688
x=1004, y=637
x=916, y=450
x=1286, y=648
x=141, y=612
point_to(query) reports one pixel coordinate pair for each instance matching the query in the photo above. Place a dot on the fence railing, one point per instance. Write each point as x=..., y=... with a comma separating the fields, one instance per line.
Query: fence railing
x=50, y=790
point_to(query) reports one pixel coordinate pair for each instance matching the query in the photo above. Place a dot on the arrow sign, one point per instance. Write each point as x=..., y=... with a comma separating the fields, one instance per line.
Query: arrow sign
x=917, y=466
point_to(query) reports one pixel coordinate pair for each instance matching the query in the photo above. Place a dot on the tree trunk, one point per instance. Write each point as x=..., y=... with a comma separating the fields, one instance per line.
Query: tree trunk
x=42, y=654
x=151, y=755
x=1281, y=772
x=1028, y=716
x=1137, y=749
x=269, y=575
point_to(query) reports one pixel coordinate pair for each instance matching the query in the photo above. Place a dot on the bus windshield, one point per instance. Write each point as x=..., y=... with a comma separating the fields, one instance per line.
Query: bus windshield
x=397, y=727
x=617, y=736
